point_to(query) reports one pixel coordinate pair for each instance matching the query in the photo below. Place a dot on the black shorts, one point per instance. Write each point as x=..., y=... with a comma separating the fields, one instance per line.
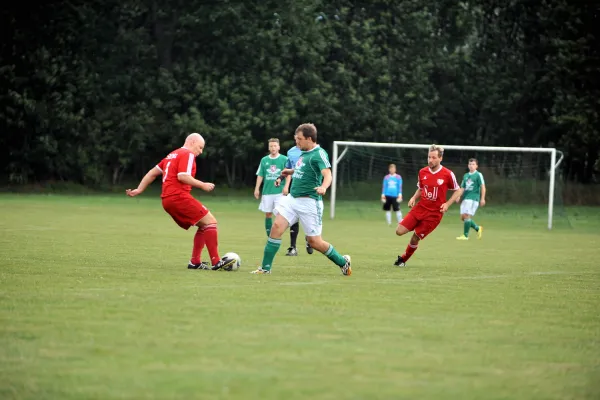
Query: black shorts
x=391, y=202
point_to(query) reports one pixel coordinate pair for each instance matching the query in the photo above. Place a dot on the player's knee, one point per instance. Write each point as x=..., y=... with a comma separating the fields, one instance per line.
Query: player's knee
x=414, y=240
x=401, y=230
x=268, y=215
x=317, y=243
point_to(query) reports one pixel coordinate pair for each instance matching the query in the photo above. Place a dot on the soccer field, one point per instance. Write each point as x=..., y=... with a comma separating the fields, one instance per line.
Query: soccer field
x=96, y=303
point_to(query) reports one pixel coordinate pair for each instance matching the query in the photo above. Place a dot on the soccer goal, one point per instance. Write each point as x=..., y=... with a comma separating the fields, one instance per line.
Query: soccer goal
x=517, y=178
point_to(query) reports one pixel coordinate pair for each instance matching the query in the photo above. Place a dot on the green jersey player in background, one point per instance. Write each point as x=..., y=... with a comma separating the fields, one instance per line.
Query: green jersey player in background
x=268, y=171
x=473, y=196
x=312, y=177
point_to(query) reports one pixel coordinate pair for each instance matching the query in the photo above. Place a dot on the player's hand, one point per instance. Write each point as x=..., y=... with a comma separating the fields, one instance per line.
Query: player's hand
x=256, y=194
x=207, y=187
x=458, y=200
x=286, y=191
x=133, y=193
x=277, y=182
x=444, y=208
x=321, y=190
x=399, y=198
x=411, y=202
x=482, y=202
x=383, y=198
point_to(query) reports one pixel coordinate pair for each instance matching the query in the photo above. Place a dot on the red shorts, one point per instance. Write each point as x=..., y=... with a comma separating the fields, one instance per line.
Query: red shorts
x=422, y=221
x=185, y=210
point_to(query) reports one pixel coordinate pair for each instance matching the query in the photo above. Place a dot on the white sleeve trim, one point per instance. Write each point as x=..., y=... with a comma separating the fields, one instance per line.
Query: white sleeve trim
x=324, y=158
x=456, y=186
x=482, y=180
x=184, y=173
x=157, y=167
x=190, y=163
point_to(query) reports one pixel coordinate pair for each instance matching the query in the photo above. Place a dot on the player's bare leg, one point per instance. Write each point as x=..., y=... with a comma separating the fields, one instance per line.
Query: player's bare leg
x=410, y=249
x=317, y=243
x=273, y=244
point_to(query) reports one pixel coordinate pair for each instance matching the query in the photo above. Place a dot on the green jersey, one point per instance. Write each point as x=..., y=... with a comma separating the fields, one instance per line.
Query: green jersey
x=270, y=169
x=307, y=173
x=472, y=183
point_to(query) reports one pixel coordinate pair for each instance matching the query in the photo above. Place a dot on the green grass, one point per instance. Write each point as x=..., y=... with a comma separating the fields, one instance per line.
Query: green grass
x=96, y=303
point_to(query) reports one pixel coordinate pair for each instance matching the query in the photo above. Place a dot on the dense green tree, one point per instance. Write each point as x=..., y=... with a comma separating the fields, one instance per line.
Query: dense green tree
x=93, y=92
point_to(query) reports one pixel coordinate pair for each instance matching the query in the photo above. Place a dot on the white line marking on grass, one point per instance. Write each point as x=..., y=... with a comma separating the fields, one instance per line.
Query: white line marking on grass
x=345, y=281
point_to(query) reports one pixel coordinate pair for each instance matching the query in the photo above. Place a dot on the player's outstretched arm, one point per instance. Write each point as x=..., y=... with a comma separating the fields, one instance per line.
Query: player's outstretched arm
x=146, y=180
x=193, y=182
x=416, y=196
x=259, y=180
x=286, y=188
x=483, y=192
x=286, y=173
x=455, y=196
x=327, y=179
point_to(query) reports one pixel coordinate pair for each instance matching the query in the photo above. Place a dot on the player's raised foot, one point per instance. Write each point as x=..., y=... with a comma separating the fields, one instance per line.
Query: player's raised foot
x=261, y=271
x=400, y=262
x=480, y=232
x=309, y=249
x=291, y=251
x=462, y=237
x=224, y=263
x=202, y=265
x=347, y=269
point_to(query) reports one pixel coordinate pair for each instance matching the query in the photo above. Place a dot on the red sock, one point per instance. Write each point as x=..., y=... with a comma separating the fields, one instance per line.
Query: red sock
x=212, y=242
x=410, y=249
x=198, y=245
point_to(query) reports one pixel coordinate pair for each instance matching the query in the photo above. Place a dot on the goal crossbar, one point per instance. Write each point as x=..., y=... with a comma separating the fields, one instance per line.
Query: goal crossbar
x=554, y=163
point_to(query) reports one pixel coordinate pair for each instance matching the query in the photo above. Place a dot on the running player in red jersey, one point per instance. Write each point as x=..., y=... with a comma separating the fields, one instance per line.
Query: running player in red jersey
x=178, y=170
x=434, y=182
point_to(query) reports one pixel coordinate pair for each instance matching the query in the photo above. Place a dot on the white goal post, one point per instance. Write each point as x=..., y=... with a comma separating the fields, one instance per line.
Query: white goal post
x=337, y=157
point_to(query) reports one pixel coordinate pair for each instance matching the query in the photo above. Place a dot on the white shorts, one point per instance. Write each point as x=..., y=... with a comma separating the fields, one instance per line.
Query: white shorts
x=268, y=202
x=304, y=209
x=469, y=207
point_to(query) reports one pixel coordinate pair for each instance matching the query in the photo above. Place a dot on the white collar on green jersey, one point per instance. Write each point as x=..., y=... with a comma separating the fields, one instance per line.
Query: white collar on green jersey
x=314, y=148
x=273, y=158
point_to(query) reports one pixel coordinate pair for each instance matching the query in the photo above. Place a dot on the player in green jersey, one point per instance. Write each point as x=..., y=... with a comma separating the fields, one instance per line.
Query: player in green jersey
x=312, y=178
x=268, y=171
x=474, y=196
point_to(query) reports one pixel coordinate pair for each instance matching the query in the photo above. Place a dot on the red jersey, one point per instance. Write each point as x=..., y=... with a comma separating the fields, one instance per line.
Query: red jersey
x=434, y=187
x=178, y=162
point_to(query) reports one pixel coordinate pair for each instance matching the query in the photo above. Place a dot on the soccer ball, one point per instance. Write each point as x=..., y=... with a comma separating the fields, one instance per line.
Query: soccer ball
x=237, y=264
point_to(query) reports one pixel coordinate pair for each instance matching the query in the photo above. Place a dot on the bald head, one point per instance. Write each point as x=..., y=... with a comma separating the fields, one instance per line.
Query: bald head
x=195, y=143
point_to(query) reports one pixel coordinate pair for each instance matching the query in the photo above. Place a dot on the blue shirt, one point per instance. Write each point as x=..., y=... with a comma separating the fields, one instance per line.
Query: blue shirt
x=293, y=155
x=392, y=185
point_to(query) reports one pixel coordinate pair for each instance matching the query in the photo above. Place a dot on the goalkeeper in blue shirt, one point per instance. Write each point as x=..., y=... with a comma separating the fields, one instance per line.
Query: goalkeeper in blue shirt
x=391, y=194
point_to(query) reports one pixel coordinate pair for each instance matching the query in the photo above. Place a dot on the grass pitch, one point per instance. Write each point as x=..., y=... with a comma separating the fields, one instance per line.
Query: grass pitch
x=96, y=303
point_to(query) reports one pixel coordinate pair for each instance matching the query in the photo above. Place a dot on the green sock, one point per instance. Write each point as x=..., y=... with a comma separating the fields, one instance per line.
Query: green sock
x=271, y=249
x=268, y=225
x=336, y=257
x=467, y=226
x=474, y=225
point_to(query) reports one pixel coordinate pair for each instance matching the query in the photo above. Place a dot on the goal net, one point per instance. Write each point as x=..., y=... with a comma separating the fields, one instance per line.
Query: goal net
x=519, y=181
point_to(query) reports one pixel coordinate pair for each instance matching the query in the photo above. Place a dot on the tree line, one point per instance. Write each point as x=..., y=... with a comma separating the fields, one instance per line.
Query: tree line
x=98, y=92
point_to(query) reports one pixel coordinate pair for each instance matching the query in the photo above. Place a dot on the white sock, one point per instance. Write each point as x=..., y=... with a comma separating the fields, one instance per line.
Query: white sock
x=399, y=216
x=388, y=217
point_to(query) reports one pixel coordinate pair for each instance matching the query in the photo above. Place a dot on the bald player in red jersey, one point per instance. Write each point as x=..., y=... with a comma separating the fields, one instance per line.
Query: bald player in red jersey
x=178, y=169
x=434, y=182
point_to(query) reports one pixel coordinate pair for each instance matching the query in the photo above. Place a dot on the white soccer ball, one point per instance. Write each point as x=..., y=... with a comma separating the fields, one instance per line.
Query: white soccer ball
x=238, y=261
